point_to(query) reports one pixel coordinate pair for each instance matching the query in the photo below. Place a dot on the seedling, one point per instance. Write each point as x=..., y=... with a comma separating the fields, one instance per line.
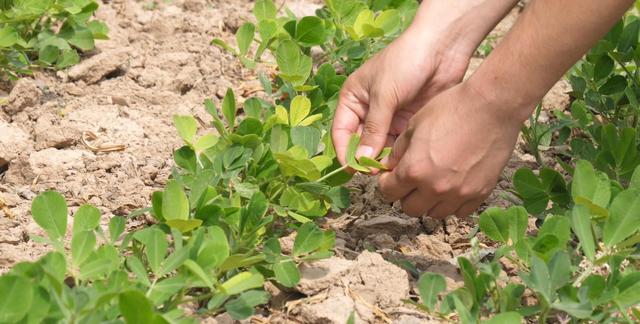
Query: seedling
x=46, y=34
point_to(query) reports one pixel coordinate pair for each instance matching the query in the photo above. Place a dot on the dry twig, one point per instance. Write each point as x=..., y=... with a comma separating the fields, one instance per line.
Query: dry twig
x=88, y=136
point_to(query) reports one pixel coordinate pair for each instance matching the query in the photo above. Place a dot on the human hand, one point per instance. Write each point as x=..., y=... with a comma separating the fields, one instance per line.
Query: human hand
x=382, y=95
x=450, y=157
x=431, y=56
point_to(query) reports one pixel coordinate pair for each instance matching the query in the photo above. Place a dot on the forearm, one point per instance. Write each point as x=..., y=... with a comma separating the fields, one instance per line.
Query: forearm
x=546, y=41
x=459, y=24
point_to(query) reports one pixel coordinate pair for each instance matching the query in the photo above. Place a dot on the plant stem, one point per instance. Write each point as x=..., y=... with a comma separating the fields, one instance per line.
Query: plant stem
x=332, y=173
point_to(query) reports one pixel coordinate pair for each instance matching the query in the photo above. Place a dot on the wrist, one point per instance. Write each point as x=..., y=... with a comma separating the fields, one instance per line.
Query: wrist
x=509, y=105
x=457, y=26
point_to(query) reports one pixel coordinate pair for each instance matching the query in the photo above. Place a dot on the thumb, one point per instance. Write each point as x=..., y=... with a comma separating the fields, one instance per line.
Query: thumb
x=376, y=126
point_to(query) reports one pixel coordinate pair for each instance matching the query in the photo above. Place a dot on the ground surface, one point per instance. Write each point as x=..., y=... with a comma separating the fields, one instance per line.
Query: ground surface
x=159, y=63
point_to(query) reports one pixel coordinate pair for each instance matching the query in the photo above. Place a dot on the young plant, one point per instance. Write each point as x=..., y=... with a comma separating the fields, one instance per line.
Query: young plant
x=582, y=262
x=46, y=33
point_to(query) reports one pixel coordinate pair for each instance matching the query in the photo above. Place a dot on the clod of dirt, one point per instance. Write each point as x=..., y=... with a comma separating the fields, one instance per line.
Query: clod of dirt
x=100, y=66
x=50, y=133
x=391, y=225
x=13, y=141
x=23, y=95
x=320, y=275
x=194, y=5
x=368, y=286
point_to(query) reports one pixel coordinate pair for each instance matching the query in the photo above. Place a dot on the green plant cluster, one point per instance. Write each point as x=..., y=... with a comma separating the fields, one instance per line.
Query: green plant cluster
x=260, y=172
x=46, y=33
x=581, y=264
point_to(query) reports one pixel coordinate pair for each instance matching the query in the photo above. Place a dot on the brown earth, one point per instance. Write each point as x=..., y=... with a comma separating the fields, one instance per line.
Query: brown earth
x=158, y=63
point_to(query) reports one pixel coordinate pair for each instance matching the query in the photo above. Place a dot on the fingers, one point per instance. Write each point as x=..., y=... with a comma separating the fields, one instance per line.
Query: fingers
x=348, y=116
x=417, y=203
x=446, y=208
x=376, y=125
x=469, y=207
x=397, y=151
x=394, y=184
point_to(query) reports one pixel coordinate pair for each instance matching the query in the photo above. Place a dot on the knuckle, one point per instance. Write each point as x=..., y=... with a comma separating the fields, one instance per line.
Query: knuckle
x=372, y=127
x=442, y=187
x=411, y=211
x=412, y=173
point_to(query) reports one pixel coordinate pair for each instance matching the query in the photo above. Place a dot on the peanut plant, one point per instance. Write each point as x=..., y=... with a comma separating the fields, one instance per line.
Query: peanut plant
x=257, y=174
x=46, y=33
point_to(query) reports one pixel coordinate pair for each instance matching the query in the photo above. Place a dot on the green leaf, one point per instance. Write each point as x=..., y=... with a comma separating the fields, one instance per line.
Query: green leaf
x=241, y=282
x=578, y=310
x=494, y=223
x=83, y=39
x=49, y=54
x=174, y=261
x=615, y=84
x=352, y=147
x=531, y=190
x=8, y=36
x=558, y=225
x=429, y=286
x=156, y=245
x=371, y=163
x=308, y=239
x=87, y=218
x=264, y=9
x=590, y=185
x=205, y=142
x=624, y=217
x=286, y=273
x=136, y=266
x=184, y=225
x=628, y=290
x=307, y=137
x=185, y=157
x=67, y=58
x=82, y=245
x=215, y=250
x=99, y=29
x=49, y=210
x=310, y=31
x=538, y=278
x=559, y=270
x=175, y=204
x=279, y=139
x=294, y=65
x=243, y=306
x=244, y=37
x=102, y=262
x=635, y=179
x=199, y=272
x=229, y=108
x=223, y=45
x=187, y=127
x=300, y=108
x=629, y=37
x=17, y=296
x=505, y=318
x=604, y=67
x=116, y=227
x=389, y=21
x=135, y=307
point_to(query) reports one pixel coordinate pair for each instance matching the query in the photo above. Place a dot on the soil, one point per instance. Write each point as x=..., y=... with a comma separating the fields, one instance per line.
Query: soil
x=123, y=95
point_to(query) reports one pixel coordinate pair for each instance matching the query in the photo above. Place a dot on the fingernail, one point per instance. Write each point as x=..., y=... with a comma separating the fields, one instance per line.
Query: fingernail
x=364, y=150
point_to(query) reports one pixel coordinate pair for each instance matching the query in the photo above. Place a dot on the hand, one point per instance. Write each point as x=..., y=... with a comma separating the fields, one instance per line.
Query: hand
x=450, y=157
x=382, y=95
x=431, y=56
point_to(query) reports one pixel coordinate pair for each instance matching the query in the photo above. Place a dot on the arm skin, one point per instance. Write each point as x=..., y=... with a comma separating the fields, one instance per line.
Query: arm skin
x=430, y=57
x=450, y=157
x=546, y=41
